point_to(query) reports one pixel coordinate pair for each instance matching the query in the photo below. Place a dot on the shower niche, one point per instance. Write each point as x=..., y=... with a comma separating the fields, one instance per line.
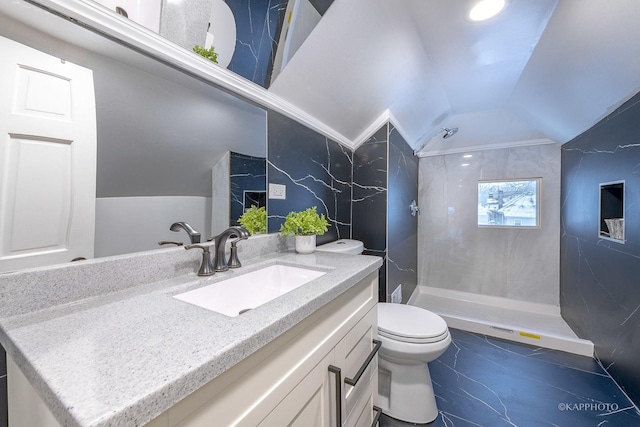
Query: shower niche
x=612, y=211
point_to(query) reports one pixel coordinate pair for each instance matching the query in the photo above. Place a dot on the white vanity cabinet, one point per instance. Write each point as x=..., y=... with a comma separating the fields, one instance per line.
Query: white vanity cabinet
x=323, y=398
x=304, y=377
x=289, y=382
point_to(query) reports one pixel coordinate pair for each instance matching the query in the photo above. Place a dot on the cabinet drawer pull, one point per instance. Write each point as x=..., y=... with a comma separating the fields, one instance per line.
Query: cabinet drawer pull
x=354, y=381
x=376, y=418
x=338, y=372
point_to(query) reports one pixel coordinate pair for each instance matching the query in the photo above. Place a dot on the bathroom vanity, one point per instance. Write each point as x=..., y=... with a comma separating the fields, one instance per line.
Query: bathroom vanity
x=106, y=343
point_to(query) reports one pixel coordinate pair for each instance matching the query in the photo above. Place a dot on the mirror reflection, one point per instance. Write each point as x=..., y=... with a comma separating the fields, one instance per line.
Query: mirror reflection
x=253, y=39
x=159, y=134
x=238, y=182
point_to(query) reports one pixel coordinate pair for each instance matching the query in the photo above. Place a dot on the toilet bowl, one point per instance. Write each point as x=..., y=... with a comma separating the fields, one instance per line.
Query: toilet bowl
x=411, y=337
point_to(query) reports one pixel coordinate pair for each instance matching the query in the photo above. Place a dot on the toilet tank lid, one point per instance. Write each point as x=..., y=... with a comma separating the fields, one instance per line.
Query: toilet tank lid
x=343, y=246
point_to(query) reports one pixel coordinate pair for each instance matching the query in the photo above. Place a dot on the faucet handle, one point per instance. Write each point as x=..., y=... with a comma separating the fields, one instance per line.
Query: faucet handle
x=167, y=242
x=234, y=261
x=206, y=268
x=194, y=236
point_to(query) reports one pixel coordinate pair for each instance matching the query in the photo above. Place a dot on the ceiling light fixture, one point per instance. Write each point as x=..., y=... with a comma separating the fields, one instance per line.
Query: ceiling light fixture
x=486, y=9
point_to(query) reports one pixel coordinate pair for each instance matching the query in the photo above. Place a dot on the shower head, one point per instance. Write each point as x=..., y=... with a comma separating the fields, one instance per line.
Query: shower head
x=448, y=133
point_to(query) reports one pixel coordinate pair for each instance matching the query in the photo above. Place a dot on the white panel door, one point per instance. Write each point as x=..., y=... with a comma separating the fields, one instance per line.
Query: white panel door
x=47, y=159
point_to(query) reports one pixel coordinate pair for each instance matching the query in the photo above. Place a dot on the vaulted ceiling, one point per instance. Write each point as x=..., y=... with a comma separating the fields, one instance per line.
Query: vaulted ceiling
x=540, y=70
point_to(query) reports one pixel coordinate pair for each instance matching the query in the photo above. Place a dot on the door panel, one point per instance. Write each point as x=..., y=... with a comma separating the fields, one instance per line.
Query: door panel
x=47, y=159
x=42, y=94
x=37, y=213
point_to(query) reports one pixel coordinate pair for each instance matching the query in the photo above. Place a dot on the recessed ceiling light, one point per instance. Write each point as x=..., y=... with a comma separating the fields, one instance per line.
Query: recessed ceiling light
x=464, y=164
x=486, y=9
x=467, y=156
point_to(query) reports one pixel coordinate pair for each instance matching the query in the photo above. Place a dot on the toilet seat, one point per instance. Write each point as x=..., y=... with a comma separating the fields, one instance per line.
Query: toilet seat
x=406, y=323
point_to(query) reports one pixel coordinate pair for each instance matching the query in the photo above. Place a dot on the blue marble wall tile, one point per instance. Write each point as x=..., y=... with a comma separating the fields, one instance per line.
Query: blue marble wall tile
x=402, y=226
x=369, y=203
x=316, y=171
x=247, y=180
x=599, y=292
x=258, y=27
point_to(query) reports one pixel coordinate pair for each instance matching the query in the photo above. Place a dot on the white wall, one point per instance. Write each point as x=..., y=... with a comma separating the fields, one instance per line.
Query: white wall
x=133, y=224
x=454, y=254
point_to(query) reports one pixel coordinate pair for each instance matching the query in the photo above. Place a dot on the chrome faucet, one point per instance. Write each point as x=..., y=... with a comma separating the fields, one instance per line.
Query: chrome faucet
x=220, y=264
x=194, y=236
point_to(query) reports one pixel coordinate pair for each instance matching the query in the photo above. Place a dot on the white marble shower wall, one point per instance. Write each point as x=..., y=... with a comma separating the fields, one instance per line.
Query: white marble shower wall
x=455, y=254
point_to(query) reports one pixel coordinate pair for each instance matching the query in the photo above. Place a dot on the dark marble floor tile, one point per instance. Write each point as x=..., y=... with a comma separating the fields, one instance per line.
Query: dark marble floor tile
x=482, y=381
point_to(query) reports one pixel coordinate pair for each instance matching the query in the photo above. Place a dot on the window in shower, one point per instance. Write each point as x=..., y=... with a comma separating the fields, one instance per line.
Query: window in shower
x=509, y=203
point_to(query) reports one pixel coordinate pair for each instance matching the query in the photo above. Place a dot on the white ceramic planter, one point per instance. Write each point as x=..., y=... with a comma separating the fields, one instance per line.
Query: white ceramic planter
x=306, y=244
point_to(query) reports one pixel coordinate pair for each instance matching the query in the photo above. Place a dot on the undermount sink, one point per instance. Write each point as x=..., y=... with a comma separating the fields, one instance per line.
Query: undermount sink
x=237, y=295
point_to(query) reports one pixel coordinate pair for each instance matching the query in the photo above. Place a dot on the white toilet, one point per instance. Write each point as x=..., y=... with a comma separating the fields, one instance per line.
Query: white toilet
x=343, y=246
x=411, y=337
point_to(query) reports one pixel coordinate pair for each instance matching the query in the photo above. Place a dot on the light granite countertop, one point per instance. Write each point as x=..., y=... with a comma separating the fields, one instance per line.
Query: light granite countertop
x=122, y=356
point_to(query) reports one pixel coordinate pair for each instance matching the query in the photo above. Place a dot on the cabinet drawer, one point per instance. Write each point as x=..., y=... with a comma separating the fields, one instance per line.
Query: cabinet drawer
x=352, y=353
x=363, y=413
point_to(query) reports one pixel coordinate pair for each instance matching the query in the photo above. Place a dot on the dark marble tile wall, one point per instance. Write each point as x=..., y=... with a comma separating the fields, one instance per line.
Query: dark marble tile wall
x=317, y=172
x=258, y=26
x=385, y=182
x=599, y=291
x=482, y=381
x=402, y=265
x=3, y=388
x=246, y=174
x=370, y=163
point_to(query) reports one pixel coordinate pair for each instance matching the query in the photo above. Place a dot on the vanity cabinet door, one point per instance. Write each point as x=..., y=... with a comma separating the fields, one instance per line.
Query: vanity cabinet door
x=309, y=403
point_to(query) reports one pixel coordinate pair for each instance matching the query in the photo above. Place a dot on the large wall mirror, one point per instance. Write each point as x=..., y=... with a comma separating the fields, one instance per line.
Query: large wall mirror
x=160, y=132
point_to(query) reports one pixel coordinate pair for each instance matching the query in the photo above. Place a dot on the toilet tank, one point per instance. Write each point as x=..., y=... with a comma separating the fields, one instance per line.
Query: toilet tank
x=342, y=246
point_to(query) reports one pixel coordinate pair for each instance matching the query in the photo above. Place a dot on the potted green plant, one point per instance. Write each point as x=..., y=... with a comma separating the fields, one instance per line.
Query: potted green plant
x=305, y=225
x=210, y=53
x=254, y=220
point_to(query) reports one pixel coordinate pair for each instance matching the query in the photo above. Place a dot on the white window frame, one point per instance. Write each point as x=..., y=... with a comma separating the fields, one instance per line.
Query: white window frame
x=538, y=181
